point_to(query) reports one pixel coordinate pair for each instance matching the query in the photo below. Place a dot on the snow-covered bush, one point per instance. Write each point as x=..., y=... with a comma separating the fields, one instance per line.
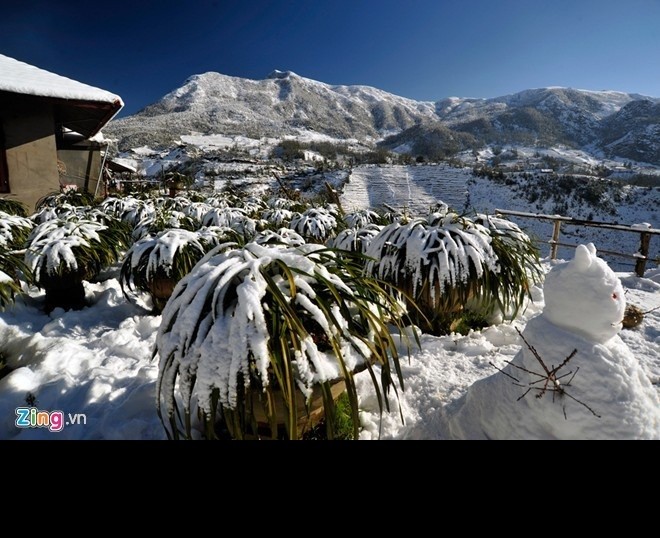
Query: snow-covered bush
x=235, y=218
x=363, y=218
x=315, y=225
x=518, y=266
x=253, y=206
x=63, y=253
x=163, y=219
x=11, y=268
x=247, y=325
x=224, y=216
x=60, y=211
x=137, y=210
x=284, y=203
x=14, y=230
x=71, y=197
x=13, y=207
x=117, y=205
x=283, y=236
x=355, y=239
x=278, y=216
x=445, y=261
x=177, y=203
x=197, y=210
x=154, y=264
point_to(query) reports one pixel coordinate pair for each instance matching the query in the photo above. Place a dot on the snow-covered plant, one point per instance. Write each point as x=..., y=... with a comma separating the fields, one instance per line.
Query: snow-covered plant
x=63, y=253
x=278, y=216
x=176, y=203
x=219, y=234
x=163, y=219
x=14, y=230
x=69, y=197
x=197, y=210
x=154, y=264
x=253, y=206
x=362, y=218
x=280, y=211
x=218, y=200
x=444, y=261
x=13, y=207
x=235, y=218
x=355, y=240
x=392, y=214
x=283, y=236
x=61, y=211
x=247, y=325
x=11, y=268
x=67, y=211
x=284, y=203
x=115, y=205
x=315, y=224
x=224, y=216
x=136, y=211
x=119, y=206
x=518, y=263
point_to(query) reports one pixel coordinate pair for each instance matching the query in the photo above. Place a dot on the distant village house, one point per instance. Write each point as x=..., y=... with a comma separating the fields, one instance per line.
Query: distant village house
x=49, y=132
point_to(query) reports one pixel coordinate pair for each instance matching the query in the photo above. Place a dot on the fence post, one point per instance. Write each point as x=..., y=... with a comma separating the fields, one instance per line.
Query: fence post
x=640, y=265
x=555, y=239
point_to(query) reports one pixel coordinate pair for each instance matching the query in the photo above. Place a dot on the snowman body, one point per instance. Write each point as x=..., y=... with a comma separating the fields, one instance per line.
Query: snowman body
x=601, y=392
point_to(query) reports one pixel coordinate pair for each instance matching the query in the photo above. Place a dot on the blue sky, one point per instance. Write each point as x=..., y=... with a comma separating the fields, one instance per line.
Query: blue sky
x=422, y=49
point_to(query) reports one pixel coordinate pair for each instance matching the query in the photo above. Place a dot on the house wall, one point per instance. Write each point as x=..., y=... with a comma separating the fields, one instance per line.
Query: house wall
x=31, y=154
x=83, y=167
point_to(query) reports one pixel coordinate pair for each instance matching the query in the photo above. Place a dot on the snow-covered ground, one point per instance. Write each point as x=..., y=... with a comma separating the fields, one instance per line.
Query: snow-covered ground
x=412, y=188
x=95, y=366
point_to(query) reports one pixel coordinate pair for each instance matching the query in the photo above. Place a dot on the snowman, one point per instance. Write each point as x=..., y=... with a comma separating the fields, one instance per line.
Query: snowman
x=573, y=378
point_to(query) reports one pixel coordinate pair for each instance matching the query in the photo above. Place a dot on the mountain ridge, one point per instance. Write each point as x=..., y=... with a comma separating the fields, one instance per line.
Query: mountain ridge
x=285, y=103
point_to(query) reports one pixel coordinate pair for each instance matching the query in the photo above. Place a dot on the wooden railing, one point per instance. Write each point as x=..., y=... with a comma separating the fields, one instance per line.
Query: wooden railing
x=640, y=257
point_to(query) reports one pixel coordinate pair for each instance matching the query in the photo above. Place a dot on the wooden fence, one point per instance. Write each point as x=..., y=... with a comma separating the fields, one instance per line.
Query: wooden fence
x=640, y=257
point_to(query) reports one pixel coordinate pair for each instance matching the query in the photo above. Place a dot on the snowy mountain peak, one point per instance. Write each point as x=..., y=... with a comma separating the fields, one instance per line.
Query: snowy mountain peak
x=275, y=74
x=284, y=103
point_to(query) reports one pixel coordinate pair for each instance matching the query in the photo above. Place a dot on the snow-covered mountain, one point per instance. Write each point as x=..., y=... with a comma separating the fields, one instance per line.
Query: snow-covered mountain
x=548, y=117
x=633, y=132
x=284, y=103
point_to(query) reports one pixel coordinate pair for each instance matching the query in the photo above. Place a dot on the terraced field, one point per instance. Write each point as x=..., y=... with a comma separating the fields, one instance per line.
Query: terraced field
x=415, y=188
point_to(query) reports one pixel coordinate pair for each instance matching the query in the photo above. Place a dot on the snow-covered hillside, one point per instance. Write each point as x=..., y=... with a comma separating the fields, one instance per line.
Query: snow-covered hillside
x=598, y=104
x=282, y=103
x=285, y=103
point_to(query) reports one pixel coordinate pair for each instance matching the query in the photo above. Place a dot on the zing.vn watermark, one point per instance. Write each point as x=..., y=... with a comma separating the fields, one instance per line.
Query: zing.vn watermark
x=31, y=417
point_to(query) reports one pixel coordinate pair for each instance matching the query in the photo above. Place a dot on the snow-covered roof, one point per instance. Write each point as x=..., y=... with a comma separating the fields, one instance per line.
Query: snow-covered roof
x=122, y=165
x=21, y=78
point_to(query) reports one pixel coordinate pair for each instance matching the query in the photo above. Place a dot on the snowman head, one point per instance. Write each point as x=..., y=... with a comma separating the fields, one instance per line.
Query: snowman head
x=584, y=296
